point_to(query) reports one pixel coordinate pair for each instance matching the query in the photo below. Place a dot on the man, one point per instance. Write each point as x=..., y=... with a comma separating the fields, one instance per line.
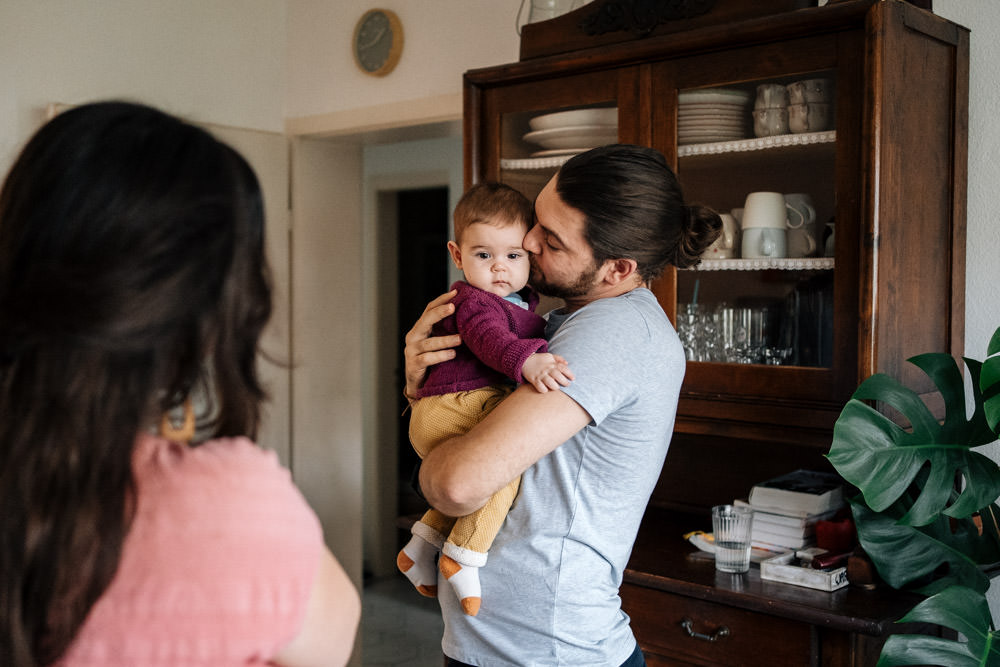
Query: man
x=607, y=224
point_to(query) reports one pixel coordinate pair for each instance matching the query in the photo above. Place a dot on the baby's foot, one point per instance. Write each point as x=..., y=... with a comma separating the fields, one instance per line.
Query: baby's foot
x=465, y=580
x=416, y=561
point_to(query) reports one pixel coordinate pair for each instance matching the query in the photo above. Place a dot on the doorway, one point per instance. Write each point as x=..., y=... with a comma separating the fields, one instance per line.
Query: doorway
x=422, y=224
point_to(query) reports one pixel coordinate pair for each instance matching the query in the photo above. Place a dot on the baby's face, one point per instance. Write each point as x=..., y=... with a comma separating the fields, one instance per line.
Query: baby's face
x=493, y=258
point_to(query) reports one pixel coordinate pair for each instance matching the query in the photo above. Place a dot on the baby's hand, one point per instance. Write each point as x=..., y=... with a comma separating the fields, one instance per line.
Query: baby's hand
x=546, y=371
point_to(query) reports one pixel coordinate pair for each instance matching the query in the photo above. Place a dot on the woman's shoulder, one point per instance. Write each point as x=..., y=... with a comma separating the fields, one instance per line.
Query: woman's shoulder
x=232, y=479
x=221, y=553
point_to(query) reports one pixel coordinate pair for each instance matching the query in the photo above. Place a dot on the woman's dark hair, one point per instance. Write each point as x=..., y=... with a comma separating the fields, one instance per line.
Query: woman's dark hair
x=132, y=269
x=634, y=209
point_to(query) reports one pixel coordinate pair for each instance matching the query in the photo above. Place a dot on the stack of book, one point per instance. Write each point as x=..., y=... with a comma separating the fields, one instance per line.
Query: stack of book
x=787, y=508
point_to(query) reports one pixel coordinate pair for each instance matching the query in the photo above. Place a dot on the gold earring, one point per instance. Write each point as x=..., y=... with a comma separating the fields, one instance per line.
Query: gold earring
x=185, y=433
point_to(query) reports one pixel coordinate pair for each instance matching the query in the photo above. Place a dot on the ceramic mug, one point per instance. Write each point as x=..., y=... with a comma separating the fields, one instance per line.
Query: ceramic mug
x=804, y=231
x=771, y=96
x=723, y=247
x=765, y=209
x=770, y=122
x=764, y=242
x=801, y=212
x=809, y=90
x=809, y=117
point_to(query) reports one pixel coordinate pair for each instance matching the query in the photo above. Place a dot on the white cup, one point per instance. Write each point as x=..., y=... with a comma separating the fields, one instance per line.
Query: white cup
x=723, y=247
x=771, y=96
x=770, y=122
x=808, y=117
x=764, y=242
x=801, y=211
x=810, y=90
x=804, y=231
x=765, y=209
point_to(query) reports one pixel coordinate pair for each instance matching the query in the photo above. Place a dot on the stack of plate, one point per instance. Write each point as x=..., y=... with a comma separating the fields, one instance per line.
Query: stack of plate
x=569, y=132
x=713, y=114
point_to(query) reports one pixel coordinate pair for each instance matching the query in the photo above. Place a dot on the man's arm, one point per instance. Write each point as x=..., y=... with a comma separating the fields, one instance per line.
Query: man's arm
x=458, y=476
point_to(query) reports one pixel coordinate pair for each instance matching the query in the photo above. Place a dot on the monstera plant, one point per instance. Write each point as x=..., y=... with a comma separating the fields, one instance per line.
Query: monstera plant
x=927, y=513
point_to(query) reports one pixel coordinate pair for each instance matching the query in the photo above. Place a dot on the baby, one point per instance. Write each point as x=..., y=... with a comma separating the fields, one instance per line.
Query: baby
x=502, y=346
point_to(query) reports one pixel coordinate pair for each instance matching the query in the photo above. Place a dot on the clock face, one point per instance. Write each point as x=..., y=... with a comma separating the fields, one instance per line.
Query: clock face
x=378, y=40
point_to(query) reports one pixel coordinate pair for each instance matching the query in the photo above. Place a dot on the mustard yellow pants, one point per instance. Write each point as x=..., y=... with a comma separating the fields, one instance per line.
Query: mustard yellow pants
x=435, y=419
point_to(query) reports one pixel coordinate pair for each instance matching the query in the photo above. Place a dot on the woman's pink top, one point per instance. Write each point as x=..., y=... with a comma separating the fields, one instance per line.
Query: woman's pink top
x=216, y=568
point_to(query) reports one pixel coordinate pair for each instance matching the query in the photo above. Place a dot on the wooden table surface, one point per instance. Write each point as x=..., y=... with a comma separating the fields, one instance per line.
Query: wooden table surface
x=662, y=559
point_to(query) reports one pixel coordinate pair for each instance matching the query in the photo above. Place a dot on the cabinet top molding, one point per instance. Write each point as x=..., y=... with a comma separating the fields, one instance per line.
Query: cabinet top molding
x=605, y=22
x=640, y=17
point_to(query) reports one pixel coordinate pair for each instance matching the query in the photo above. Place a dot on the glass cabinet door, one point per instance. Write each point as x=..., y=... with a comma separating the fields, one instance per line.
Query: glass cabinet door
x=768, y=313
x=535, y=126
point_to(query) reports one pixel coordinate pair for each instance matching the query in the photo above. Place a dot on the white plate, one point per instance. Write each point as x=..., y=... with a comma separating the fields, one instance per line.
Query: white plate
x=575, y=117
x=585, y=136
x=714, y=112
x=716, y=95
x=734, y=103
x=708, y=137
x=732, y=131
x=736, y=122
x=556, y=152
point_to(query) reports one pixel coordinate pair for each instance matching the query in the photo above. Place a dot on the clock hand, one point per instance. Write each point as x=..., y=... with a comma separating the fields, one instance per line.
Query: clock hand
x=374, y=40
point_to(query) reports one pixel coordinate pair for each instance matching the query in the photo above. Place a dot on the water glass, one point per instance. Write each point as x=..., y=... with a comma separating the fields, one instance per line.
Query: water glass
x=731, y=526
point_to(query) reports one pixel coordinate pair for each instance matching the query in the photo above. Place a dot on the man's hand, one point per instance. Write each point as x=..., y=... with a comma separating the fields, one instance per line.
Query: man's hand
x=422, y=350
x=546, y=371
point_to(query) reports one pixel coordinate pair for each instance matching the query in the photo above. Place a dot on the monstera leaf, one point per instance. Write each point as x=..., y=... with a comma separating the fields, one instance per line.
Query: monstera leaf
x=883, y=459
x=989, y=382
x=927, y=513
x=929, y=558
x=960, y=609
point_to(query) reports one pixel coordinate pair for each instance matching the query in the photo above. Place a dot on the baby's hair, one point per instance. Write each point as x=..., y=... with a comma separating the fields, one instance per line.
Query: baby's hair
x=494, y=204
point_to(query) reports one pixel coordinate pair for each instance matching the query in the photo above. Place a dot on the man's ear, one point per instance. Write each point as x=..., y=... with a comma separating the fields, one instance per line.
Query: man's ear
x=617, y=271
x=456, y=254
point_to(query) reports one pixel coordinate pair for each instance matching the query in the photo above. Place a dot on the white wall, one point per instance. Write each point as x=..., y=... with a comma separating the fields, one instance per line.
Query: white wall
x=442, y=39
x=982, y=305
x=220, y=61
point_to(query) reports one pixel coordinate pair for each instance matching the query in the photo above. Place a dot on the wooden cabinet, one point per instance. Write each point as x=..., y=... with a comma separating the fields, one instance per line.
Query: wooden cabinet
x=887, y=172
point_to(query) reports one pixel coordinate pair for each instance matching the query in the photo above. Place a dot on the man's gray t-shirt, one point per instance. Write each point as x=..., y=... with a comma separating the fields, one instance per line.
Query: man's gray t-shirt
x=550, y=584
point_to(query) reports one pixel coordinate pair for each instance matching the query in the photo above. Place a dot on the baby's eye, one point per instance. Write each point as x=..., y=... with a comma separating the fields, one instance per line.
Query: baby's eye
x=482, y=254
x=514, y=256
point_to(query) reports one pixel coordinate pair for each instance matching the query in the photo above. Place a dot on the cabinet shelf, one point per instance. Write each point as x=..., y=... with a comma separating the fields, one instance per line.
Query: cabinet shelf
x=757, y=144
x=691, y=150
x=531, y=164
x=781, y=264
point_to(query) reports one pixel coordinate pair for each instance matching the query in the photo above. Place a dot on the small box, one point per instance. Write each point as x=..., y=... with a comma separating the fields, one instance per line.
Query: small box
x=787, y=569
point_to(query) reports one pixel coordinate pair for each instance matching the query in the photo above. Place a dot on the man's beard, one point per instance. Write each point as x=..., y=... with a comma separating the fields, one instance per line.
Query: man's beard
x=579, y=287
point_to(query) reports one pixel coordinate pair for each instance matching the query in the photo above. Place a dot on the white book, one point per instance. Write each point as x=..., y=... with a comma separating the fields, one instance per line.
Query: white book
x=764, y=539
x=801, y=491
x=790, y=519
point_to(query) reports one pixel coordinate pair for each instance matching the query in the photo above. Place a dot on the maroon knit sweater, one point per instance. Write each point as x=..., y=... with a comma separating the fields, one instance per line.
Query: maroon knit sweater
x=497, y=337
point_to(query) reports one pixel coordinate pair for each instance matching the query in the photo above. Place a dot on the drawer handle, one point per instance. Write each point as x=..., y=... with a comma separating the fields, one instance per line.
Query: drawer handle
x=688, y=624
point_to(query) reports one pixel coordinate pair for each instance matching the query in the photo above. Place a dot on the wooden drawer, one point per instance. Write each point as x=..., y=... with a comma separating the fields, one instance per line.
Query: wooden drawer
x=673, y=629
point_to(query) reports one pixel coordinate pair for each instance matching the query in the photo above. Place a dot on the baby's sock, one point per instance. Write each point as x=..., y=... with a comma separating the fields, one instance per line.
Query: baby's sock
x=461, y=568
x=416, y=560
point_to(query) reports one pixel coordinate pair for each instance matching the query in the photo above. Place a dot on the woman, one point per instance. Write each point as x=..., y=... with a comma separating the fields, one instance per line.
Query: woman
x=132, y=274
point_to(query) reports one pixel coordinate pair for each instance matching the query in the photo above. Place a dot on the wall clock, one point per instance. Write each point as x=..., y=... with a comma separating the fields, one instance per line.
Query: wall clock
x=378, y=41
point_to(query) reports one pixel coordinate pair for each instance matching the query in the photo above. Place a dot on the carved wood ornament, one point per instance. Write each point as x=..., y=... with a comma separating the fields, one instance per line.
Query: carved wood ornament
x=641, y=17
